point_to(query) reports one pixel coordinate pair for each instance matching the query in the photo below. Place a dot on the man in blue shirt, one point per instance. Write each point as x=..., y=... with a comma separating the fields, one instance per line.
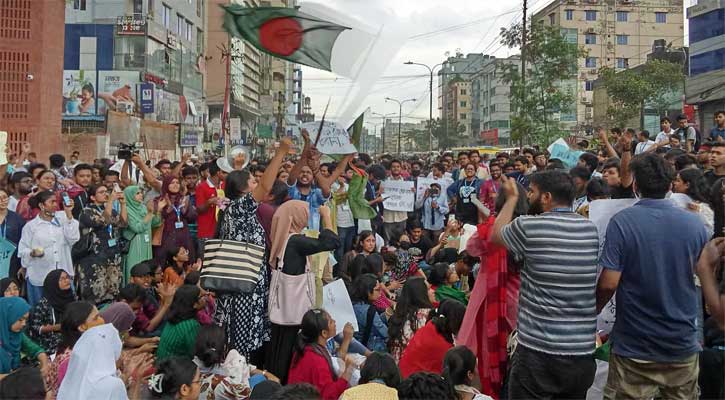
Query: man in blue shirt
x=717, y=133
x=649, y=259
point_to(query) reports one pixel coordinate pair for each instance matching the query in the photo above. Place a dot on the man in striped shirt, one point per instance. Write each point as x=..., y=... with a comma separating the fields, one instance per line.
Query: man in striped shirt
x=557, y=307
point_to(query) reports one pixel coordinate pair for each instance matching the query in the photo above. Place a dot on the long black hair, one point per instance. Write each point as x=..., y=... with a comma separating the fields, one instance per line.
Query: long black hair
x=448, y=318
x=182, y=307
x=380, y=366
x=697, y=189
x=172, y=252
x=370, y=264
x=170, y=375
x=361, y=238
x=413, y=297
x=211, y=345
x=313, y=323
x=75, y=315
x=458, y=362
x=426, y=385
x=40, y=198
x=361, y=288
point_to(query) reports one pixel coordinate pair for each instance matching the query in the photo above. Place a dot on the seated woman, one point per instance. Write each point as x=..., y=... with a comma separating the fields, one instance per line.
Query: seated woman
x=424, y=386
x=429, y=345
x=459, y=369
x=151, y=314
x=14, y=312
x=379, y=378
x=177, y=265
x=442, y=278
x=224, y=374
x=179, y=335
x=121, y=315
x=205, y=316
x=46, y=315
x=23, y=383
x=176, y=378
x=373, y=264
x=312, y=362
x=79, y=317
x=411, y=313
x=373, y=329
x=364, y=244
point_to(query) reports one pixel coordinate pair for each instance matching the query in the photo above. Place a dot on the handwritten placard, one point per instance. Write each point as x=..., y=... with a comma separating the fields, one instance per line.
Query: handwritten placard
x=334, y=139
x=398, y=195
x=560, y=150
x=336, y=301
x=424, y=184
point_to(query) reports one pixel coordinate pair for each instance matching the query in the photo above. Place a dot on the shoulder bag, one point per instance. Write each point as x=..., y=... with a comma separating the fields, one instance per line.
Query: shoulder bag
x=290, y=296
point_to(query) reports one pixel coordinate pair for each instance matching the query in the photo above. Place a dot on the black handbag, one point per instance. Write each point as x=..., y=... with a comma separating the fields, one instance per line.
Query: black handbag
x=83, y=246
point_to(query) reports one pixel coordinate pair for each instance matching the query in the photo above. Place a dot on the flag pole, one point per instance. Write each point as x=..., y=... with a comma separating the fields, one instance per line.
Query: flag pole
x=322, y=123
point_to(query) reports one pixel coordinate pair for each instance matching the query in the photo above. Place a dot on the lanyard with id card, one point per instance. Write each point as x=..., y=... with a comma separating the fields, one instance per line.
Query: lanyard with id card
x=178, y=224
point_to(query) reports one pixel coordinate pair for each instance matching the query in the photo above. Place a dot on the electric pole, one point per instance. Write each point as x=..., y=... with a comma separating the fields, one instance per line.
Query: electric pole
x=523, y=67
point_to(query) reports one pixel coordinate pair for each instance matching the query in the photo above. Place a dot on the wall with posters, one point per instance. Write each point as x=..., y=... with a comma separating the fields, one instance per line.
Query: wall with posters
x=79, y=92
x=116, y=88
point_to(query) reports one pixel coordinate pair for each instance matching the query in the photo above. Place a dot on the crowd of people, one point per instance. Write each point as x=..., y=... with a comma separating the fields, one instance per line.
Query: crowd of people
x=492, y=286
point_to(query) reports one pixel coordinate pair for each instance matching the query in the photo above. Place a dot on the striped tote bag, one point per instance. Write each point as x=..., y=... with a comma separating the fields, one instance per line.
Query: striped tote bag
x=231, y=266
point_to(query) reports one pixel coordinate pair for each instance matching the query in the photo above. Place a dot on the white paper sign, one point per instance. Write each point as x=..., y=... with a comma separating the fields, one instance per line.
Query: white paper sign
x=398, y=195
x=336, y=301
x=601, y=211
x=235, y=129
x=424, y=184
x=334, y=139
x=3, y=147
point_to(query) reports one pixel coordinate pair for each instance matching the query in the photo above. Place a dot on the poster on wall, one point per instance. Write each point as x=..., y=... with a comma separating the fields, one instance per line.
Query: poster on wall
x=117, y=91
x=79, y=93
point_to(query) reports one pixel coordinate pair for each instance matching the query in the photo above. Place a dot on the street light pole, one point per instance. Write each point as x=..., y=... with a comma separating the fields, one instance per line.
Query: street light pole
x=430, y=104
x=384, y=117
x=400, y=114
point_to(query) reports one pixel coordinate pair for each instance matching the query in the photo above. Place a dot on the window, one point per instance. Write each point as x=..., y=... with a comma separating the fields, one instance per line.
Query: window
x=199, y=7
x=622, y=63
x=167, y=16
x=463, y=116
x=569, y=14
x=463, y=92
x=79, y=5
x=622, y=16
x=552, y=19
x=463, y=104
x=622, y=39
x=661, y=17
x=180, y=25
x=199, y=41
x=590, y=38
x=138, y=6
x=706, y=62
x=189, y=31
x=591, y=62
x=589, y=85
x=590, y=15
x=707, y=25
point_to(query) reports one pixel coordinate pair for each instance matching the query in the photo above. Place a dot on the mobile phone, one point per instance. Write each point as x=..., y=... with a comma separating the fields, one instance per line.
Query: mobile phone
x=66, y=199
x=116, y=188
x=451, y=217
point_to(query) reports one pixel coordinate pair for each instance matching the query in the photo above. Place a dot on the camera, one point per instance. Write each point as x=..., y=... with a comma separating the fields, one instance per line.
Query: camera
x=126, y=151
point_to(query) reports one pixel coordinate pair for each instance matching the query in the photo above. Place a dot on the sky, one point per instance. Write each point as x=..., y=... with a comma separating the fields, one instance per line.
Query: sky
x=468, y=26
x=446, y=26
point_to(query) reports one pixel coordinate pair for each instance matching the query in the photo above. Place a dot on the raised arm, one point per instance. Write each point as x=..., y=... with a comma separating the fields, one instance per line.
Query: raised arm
x=270, y=174
x=626, y=142
x=325, y=183
x=148, y=175
x=177, y=169
x=605, y=141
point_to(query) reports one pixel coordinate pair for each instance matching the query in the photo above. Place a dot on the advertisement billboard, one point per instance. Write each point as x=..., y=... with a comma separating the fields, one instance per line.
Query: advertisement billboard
x=79, y=93
x=117, y=91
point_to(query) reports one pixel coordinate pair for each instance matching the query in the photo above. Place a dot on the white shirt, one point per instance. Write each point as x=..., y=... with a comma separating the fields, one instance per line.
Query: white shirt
x=12, y=204
x=663, y=137
x=55, y=238
x=643, y=146
x=344, y=214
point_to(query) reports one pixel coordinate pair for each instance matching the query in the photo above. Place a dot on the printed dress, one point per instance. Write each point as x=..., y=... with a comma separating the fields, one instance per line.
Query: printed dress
x=244, y=315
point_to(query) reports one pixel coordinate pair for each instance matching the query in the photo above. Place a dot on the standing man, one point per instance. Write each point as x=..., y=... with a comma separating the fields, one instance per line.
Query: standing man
x=687, y=133
x=491, y=187
x=482, y=172
x=663, y=138
x=655, y=337
x=557, y=318
x=209, y=194
x=83, y=176
x=717, y=163
x=394, y=221
x=717, y=133
x=645, y=144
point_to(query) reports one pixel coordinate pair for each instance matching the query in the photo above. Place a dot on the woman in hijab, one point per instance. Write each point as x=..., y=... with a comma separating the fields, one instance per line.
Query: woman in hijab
x=141, y=220
x=290, y=251
x=121, y=316
x=47, y=314
x=92, y=371
x=13, y=318
x=9, y=287
x=177, y=212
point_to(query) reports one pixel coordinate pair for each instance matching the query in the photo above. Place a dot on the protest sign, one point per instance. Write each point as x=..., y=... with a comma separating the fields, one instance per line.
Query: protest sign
x=601, y=211
x=398, y=195
x=560, y=150
x=336, y=301
x=424, y=184
x=334, y=138
x=3, y=148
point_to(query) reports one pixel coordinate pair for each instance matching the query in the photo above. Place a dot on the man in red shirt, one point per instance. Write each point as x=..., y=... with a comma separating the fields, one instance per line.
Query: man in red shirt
x=491, y=187
x=208, y=193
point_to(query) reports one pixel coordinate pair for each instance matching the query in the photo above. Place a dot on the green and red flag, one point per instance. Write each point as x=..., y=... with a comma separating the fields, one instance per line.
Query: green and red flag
x=285, y=33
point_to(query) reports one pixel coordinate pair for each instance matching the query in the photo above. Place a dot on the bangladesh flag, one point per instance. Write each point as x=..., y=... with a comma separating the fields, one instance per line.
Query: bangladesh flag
x=285, y=33
x=355, y=130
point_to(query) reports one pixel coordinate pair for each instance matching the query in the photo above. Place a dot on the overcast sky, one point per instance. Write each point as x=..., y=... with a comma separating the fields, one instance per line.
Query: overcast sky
x=481, y=20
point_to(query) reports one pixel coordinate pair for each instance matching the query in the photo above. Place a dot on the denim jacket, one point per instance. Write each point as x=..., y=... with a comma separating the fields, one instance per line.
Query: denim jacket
x=315, y=199
x=378, y=335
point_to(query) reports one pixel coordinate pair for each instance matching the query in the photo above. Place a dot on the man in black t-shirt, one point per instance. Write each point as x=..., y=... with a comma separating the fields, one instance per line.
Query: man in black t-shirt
x=717, y=163
x=418, y=240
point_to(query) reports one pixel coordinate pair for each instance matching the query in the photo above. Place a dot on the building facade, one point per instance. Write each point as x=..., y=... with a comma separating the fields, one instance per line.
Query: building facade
x=491, y=104
x=615, y=33
x=31, y=69
x=705, y=86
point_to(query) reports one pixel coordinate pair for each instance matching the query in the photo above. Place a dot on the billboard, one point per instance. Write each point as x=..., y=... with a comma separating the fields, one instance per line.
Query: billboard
x=117, y=91
x=490, y=136
x=79, y=93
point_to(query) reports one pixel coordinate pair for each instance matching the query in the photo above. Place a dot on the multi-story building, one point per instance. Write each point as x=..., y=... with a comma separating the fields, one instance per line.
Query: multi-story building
x=705, y=87
x=615, y=33
x=458, y=105
x=411, y=134
x=491, y=113
x=31, y=69
x=457, y=109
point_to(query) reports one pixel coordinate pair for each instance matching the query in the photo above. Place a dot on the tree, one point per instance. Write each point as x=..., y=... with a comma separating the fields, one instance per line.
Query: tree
x=631, y=89
x=550, y=64
x=450, y=137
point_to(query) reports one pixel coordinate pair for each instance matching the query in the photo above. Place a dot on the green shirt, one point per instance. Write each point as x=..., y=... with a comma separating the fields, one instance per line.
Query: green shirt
x=178, y=339
x=447, y=292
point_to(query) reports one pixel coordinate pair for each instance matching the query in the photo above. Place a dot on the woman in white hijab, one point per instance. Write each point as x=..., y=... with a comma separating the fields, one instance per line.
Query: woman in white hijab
x=92, y=369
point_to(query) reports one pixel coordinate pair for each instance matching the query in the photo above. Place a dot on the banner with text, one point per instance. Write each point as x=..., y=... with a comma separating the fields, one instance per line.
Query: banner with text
x=398, y=195
x=560, y=150
x=334, y=138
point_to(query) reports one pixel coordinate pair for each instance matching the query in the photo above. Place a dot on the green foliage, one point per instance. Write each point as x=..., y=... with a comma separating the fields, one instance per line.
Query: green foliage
x=550, y=62
x=630, y=89
x=450, y=137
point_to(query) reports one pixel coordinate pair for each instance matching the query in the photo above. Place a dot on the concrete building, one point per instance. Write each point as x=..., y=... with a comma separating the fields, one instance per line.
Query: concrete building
x=705, y=86
x=457, y=68
x=616, y=34
x=31, y=69
x=491, y=104
x=458, y=108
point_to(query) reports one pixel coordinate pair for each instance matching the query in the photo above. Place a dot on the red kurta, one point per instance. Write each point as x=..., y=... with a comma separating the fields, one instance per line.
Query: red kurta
x=313, y=368
x=425, y=352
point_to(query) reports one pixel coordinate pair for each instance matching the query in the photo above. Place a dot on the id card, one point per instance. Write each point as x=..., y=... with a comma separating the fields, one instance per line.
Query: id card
x=146, y=238
x=111, y=242
x=178, y=225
